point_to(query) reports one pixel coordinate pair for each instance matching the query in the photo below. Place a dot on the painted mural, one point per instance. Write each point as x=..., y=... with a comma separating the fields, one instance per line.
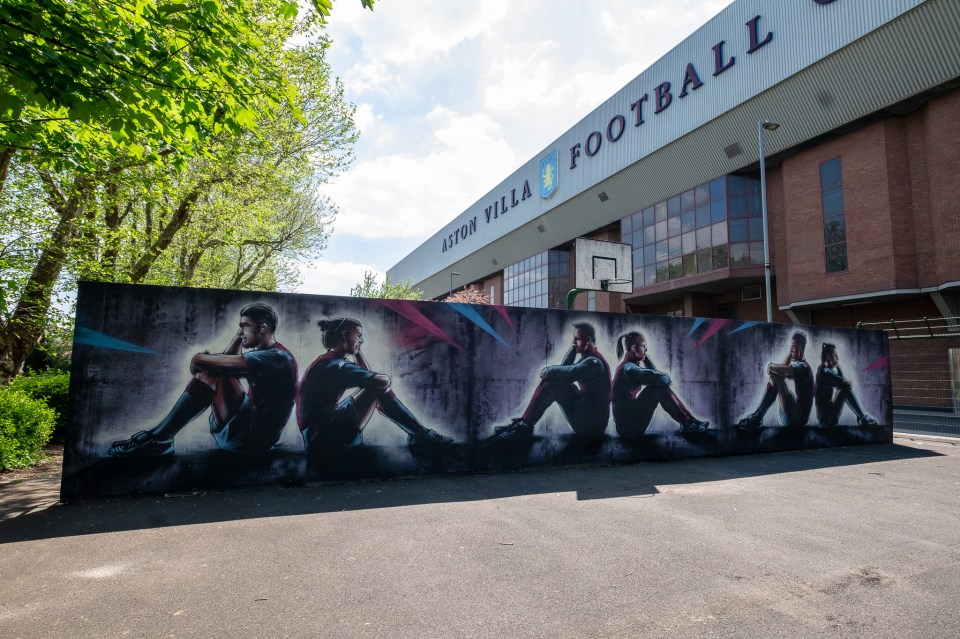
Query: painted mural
x=176, y=389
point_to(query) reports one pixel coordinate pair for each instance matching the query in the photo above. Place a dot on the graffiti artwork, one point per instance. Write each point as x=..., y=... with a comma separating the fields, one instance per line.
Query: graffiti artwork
x=176, y=389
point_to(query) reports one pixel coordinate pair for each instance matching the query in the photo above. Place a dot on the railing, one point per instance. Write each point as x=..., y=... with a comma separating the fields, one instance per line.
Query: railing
x=925, y=373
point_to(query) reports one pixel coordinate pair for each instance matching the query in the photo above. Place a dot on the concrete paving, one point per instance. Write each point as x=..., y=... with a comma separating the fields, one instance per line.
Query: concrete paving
x=843, y=542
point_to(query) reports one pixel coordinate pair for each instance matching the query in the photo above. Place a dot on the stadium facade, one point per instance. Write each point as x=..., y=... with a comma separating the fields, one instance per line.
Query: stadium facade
x=862, y=176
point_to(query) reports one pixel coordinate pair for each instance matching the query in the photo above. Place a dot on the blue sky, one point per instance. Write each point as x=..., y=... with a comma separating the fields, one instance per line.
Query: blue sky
x=452, y=96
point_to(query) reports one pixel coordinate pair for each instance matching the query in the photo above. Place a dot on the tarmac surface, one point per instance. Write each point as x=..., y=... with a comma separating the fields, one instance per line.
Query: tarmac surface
x=860, y=541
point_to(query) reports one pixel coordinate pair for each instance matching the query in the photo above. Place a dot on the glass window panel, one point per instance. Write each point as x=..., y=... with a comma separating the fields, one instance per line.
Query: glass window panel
x=704, y=260
x=756, y=253
x=637, y=238
x=753, y=205
x=649, y=276
x=637, y=277
x=688, y=221
x=637, y=220
x=661, y=230
x=650, y=235
x=756, y=228
x=738, y=231
x=687, y=201
x=719, y=233
x=740, y=254
x=660, y=211
x=662, y=251
x=676, y=268
x=703, y=216
x=835, y=230
x=837, y=258
x=720, y=259
x=638, y=256
x=663, y=273
x=830, y=174
x=752, y=183
x=703, y=238
x=674, y=246
x=833, y=201
x=690, y=264
x=702, y=194
x=673, y=226
x=718, y=188
x=718, y=211
x=737, y=206
x=673, y=206
x=688, y=242
x=735, y=185
x=648, y=216
x=649, y=254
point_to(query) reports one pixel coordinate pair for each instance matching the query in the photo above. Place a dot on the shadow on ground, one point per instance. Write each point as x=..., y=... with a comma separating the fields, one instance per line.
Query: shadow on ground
x=29, y=510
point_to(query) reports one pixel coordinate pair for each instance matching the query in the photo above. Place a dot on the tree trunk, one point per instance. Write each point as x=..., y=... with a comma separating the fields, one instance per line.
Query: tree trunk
x=6, y=156
x=25, y=326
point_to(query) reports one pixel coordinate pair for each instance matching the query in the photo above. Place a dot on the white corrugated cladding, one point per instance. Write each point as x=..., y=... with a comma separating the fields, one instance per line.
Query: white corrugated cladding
x=825, y=66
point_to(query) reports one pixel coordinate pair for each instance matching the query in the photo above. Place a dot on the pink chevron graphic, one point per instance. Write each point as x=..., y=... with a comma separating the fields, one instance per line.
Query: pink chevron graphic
x=715, y=325
x=502, y=310
x=407, y=311
x=883, y=362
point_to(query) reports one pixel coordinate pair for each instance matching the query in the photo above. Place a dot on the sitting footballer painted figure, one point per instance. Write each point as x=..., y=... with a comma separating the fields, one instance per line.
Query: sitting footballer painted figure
x=795, y=404
x=244, y=422
x=834, y=391
x=639, y=389
x=328, y=420
x=579, y=385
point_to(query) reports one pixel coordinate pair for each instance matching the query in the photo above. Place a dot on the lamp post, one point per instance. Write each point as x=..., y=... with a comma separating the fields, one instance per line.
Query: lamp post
x=452, y=273
x=763, y=126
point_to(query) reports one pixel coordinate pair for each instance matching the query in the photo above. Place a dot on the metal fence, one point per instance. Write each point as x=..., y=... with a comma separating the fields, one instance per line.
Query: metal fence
x=925, y=373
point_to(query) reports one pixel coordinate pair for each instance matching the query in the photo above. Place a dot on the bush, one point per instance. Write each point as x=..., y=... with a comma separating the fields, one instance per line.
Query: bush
x=26, y=425
x=53, y=387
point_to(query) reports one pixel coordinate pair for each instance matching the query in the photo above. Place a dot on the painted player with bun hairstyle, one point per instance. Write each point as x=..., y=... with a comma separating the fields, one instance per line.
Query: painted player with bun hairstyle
x=834, y=391
x=639, y=388
x=329, y=420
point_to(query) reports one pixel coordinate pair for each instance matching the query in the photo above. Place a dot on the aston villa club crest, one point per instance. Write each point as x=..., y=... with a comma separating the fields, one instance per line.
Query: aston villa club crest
x=549, y=175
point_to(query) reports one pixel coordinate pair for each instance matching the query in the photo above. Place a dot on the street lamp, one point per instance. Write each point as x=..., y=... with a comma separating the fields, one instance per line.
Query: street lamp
x=765, y=125
x=452, y=273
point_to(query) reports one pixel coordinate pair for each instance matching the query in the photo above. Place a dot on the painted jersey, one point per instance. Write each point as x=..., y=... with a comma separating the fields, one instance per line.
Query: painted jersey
x=324, y=383
x=272, y=379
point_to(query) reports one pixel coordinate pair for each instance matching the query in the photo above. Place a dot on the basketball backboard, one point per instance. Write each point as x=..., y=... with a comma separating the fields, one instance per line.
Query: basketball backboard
x=603, y=266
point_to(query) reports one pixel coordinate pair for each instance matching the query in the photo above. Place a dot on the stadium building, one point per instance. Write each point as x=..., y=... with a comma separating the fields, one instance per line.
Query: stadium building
x=857, y=105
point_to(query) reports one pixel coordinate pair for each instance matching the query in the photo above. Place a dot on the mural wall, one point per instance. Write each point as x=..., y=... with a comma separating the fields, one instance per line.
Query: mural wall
x=175, y=389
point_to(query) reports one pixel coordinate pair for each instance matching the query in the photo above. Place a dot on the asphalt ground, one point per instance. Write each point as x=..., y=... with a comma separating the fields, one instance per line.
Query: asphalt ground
x=857, y=541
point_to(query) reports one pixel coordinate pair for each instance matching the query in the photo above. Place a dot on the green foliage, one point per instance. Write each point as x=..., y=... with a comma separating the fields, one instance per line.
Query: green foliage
x=144, y=78
x=25, y=427
x=388, y=290
x=51, y=387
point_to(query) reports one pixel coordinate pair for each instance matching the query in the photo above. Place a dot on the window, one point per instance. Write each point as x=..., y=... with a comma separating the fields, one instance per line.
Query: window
x=834, y=220
x=712, y=226
x=540, y=281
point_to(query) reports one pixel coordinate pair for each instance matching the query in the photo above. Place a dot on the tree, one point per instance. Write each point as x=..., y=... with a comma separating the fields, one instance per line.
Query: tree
x=85, y=81
x=237, y=214
x=369, y=287
x=469, y=295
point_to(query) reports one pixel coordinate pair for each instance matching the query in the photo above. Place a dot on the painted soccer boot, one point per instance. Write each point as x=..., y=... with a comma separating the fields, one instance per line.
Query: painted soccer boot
x=142, y=444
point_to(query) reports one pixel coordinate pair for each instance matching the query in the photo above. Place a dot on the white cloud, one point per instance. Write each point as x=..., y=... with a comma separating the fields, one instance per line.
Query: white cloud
x=455, y=96
x=334, y=278
x=406, y=194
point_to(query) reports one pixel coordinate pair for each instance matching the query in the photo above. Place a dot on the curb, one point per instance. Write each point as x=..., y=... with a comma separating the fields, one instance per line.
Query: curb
x=943, y=439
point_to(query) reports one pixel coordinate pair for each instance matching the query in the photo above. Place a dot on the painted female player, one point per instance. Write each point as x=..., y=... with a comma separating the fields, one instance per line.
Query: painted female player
x=639, y=388
x=327, y=419
x=834, y=391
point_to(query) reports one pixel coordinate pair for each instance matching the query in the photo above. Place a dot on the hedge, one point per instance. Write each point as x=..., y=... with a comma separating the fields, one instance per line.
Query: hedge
x=26, y=425
x=53, y=387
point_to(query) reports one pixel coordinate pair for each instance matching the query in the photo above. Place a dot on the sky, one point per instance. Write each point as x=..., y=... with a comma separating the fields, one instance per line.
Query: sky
x=452, y=96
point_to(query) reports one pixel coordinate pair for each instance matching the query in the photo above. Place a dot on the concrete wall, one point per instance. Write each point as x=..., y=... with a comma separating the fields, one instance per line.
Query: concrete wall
x=460, y=370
